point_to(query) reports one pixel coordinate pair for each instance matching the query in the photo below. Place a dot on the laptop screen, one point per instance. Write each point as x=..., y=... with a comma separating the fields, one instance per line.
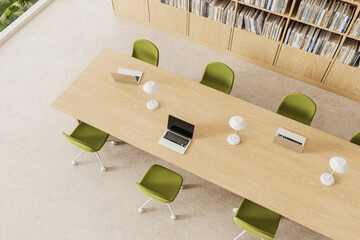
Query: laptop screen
x=180, y=127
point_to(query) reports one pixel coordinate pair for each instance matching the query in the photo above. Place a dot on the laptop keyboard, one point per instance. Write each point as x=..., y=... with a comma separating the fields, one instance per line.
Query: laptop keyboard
x=176, y=139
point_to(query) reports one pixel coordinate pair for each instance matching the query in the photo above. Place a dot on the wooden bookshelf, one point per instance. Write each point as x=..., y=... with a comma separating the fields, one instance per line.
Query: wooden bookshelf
x=274, y=55
x=302, y=64
x=168, y=17
x=137, y=9
x=355, y=38
x=247, y=44
x=317, y=26
x=265, y=10
x=350, y=78
x=209, y=31
x=293, y=17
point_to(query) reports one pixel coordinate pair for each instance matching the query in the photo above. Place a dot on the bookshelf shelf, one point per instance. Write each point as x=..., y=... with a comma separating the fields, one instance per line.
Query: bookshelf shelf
x=352, y=37
x=317, y=26
x=302, y=50
x=351, y=2
x=274, y=55
x=258, y=35
x=286, y=15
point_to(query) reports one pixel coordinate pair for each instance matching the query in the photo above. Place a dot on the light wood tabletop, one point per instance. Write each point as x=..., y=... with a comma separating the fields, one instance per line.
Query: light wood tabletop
x=275, y=177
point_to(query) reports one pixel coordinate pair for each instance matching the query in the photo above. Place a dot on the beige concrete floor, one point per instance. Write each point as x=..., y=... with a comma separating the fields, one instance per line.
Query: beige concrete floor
x=44, y=197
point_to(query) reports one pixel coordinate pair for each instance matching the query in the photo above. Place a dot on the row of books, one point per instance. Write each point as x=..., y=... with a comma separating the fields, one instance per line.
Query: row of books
x=260, y=22
x=332, y=14
x=182, y=4
x=349, y=53
x=218, y=10
x=355, y=30
x=311, y=39
x=278, y=6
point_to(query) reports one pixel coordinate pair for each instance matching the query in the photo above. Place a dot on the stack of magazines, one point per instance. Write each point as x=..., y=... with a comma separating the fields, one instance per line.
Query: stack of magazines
x=331, y=14
x=218, y=10
x=271, y=5
x=355, y=30
x=349, y=53
x=182, y=4
x=312, y=39
x=260, y=22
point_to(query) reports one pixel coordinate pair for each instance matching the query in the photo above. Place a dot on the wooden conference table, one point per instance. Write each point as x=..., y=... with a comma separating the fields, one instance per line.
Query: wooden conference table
x=275, y=177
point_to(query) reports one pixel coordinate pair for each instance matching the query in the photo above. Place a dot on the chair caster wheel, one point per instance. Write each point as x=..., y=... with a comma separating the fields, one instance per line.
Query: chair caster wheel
x=140, y=210
x=173, y=217
x=74, y=163
x=103, y=169
x=114, y=143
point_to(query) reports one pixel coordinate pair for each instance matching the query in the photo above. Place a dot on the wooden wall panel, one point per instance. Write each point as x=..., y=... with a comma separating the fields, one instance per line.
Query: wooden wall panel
x=302, y=63
x=254, y=46
x=135, y=8
x=210, y=31
x=345, y=78
x=170, y=18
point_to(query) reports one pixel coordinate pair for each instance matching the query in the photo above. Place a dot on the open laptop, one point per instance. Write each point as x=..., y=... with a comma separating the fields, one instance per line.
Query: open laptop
x=127, y=76
x=178, y=135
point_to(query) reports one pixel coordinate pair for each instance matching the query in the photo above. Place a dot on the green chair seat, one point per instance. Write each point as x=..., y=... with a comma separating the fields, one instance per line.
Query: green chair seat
x=356, y=138
x=161, y=184
x=218, y=76
x=257, y=220
x=146, y=51
x=87, y=137
x=298, y=107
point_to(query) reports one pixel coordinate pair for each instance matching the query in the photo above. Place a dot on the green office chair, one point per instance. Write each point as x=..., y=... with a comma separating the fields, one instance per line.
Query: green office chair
x=297, y=107
x=356, y=138
x=161, y=184
x=257, y=220
x=146, y=51
x=219, y=76
x=88, y=139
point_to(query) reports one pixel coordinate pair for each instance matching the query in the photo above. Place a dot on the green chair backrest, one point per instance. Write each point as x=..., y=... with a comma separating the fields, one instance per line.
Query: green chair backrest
x=218, y=76
x=356, y=138
x=80, y=144
x=297, y=107
x=146, y=51
x=257, y=220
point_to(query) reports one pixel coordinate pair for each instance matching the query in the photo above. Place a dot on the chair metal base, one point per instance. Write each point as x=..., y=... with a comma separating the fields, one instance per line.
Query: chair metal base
x=114, y=142
x=103, y=168
x=141, y=209
x=74, y=162
x=242, y=233
x=238, y=236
